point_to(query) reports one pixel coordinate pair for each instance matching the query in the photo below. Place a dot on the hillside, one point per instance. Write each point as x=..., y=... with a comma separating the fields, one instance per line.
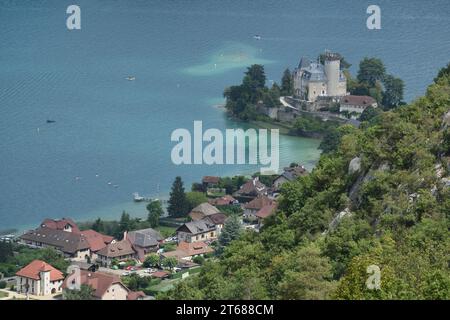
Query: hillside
x=378, y=198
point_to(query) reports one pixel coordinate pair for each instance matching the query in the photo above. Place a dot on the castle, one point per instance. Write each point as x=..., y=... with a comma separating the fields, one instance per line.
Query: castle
x=313, y=80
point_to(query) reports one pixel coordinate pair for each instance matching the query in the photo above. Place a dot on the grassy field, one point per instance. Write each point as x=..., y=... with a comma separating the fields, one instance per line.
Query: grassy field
x=166, y=231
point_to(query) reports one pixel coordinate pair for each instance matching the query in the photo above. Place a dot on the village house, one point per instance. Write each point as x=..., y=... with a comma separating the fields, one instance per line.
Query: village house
x=195, y=231
x=39, y=278
x=250, y=190
x=65, y=236
x=218, y=219
x=289, y=174
x=64, y=224
x=265, y=212
x=119, y=251
x=210, y=182
x=97, y=241
x=188, y=251
x=251, y=208
x=203, y=210
x=356, y=104
x=226, y=200
x=73, y=246
x=144, y=241
x=105, y=286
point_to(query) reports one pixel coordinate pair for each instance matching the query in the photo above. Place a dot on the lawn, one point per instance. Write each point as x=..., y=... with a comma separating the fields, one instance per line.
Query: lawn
x=166, y=231
x=3, y=294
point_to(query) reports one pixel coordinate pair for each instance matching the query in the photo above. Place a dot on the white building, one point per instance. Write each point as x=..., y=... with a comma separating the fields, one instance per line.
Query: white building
x=356, y=104
x=40, y=279
x=313, y=79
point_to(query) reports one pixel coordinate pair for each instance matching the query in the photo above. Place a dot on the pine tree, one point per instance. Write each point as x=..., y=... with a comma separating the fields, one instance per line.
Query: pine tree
x=287, y=83
x=178, y=204
x=231, y=231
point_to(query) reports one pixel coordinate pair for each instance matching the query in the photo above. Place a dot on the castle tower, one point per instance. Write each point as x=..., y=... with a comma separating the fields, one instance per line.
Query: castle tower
x=332, y=71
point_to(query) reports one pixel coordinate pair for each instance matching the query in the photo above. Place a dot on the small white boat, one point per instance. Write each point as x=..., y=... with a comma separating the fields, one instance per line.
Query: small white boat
x=137, y=197
x=257, y=37
x=130, y=78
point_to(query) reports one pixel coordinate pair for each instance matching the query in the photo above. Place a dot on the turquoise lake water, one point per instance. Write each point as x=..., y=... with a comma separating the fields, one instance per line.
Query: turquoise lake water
x=183, y=54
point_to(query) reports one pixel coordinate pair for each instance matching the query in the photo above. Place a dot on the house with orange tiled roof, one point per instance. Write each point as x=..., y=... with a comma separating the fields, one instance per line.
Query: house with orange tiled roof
x=251, y=208
x=39, y=278
x=65, y=236
x=187, y=251
x=104, y=286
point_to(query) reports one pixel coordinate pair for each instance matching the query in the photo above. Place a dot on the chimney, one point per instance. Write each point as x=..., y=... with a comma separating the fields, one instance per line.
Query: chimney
x=125, y=234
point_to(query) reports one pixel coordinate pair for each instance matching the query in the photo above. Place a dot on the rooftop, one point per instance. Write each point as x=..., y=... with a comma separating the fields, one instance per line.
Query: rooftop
x=33, y=270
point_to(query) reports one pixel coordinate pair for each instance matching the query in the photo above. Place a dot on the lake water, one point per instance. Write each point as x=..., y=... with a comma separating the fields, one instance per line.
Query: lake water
x=183, y=54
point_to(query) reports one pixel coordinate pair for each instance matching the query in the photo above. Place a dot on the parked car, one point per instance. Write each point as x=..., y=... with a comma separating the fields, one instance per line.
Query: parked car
x=126, y=273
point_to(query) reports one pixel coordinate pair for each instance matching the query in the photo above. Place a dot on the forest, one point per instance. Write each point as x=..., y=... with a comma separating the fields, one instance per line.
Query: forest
x=378, y=196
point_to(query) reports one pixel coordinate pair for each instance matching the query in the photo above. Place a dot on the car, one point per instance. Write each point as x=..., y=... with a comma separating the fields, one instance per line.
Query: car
x=126, y=273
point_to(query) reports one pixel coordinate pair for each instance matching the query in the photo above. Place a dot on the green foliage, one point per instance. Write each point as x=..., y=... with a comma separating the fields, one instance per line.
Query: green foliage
x=178, y=204
x=136, y=283
x=194, y=198
x=393, y=94
x=155, y=211
x=232, y=184
x=231, y=231
x=308, y=125
x=199, y=260
x=397, y=217
x=170, y=262
x=152, y=260
x=287, y=83
x=241, y=101
x=370, y=71
x=2, y=284
x=85, y=293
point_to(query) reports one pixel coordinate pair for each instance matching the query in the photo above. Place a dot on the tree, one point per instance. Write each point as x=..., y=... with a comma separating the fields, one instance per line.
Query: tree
x=6, y=251
x=370, y=71
x=155, y=211
x=178, y=204
x=287, y=83
x=305, y=275
x=195, y=198
x=231, y=231
x=255, y=77
x=369, y=114
x=151, y=260
x=98, y=225
x=84, y=293
x=393, y=94
x=170, y=262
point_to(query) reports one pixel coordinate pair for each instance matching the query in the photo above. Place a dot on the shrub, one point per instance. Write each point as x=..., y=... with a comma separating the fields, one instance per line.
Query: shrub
x=2, y=284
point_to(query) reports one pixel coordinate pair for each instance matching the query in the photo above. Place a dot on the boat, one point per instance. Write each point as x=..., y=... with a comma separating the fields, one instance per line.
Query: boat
x=51, y=121
x=257, y=37
x=130, y=78
x=137, y=197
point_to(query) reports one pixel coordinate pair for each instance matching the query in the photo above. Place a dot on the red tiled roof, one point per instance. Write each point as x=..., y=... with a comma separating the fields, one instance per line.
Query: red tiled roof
x=96, y=240
x=160, y=274
x=258, y=203
x=60, y=224
x=210, y=179
x=267, y=210
x=185, y=249
x=223, y=201
x=117, y=249
x=33, y=270
x=134, y=295
x=99, y=281
x=358, y=100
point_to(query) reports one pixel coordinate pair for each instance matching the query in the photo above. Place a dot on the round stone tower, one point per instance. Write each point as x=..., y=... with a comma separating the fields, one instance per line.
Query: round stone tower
x=332, y=71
